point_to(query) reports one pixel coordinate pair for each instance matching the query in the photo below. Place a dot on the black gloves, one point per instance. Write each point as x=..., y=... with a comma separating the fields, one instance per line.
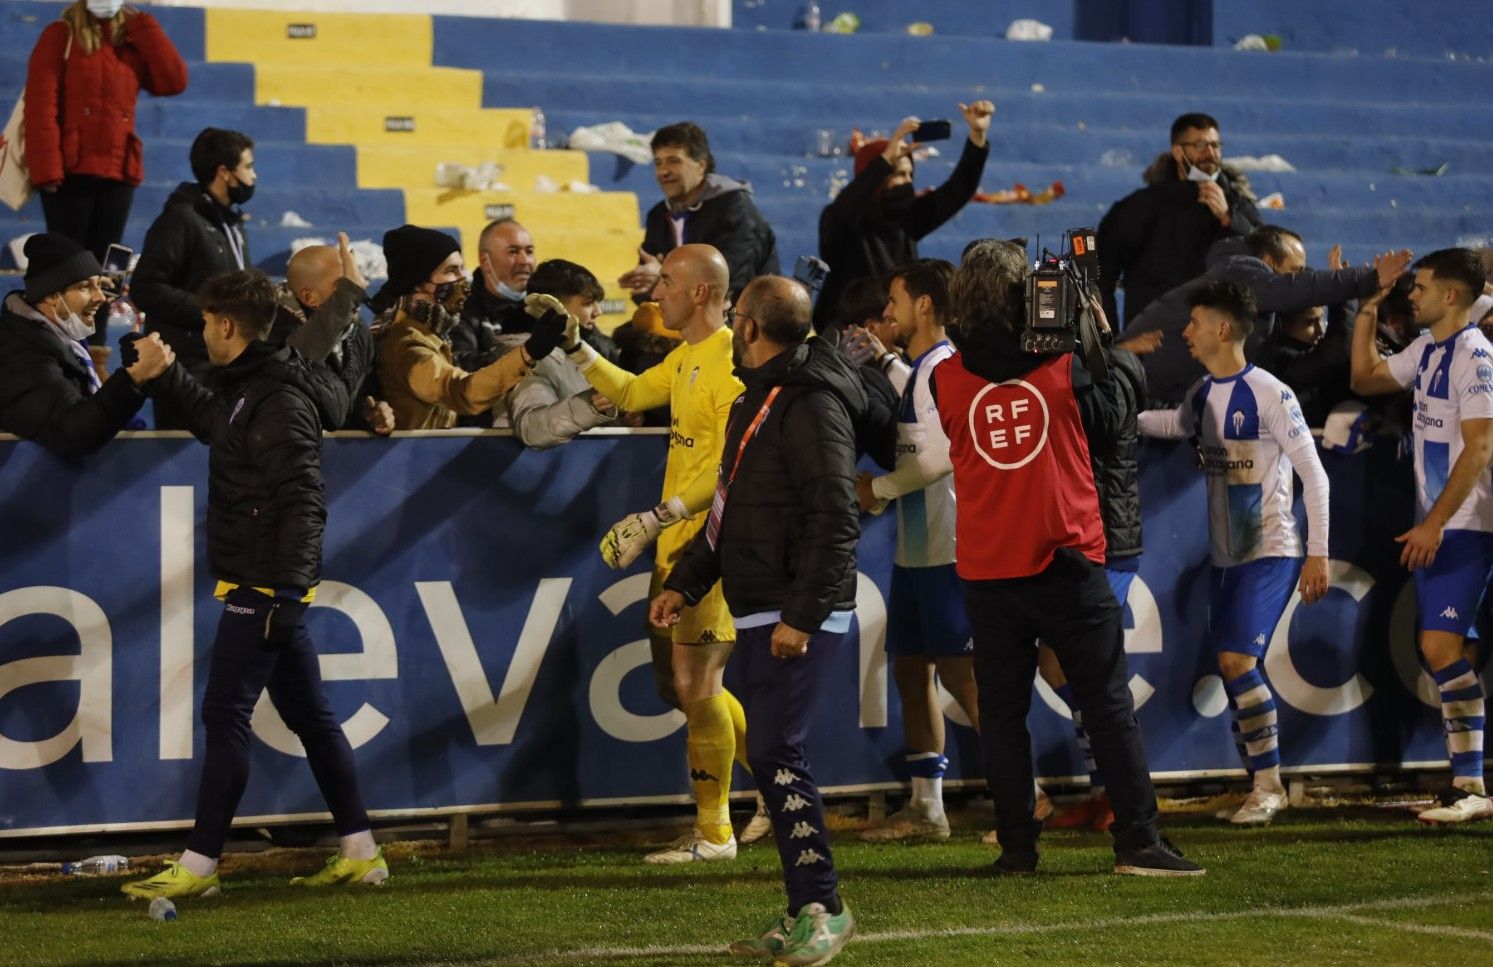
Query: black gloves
x=128, y=354
x=552, y=326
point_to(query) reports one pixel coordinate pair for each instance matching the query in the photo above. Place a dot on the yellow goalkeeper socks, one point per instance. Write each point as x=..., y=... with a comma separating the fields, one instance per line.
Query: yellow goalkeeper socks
x=711, y=745
x=738, y=728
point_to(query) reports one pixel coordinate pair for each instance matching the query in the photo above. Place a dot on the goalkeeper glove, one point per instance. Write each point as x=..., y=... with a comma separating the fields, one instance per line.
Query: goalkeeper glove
x=632, y=535
x=553, y=326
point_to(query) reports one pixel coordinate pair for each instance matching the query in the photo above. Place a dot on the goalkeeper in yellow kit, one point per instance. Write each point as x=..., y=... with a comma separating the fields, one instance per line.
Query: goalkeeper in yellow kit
x=698, y=383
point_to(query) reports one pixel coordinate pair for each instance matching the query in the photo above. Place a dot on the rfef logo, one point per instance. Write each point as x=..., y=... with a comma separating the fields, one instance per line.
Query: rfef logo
x=1008, y=423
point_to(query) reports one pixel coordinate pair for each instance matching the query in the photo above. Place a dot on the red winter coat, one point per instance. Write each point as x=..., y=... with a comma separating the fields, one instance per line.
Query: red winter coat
x=80, y=115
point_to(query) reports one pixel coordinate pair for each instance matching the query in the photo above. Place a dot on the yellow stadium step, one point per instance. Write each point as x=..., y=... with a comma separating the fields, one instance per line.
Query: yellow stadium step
x=409, y=166
x=411, y=125
x=542, y=214
x=369, y=43
x=336, y=84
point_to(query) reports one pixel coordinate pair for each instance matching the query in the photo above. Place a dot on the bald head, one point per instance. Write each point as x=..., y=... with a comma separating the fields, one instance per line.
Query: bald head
x=780, y=307
x=698, y=264
x=313, y=273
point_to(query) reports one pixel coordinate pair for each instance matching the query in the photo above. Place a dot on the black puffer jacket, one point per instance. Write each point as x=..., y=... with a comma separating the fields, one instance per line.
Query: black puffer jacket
x=266, y=503
x=1116, y=461
x=789, y=531
x=185, y=246
x=44, y=387
x=724, y=216
x=334, y=335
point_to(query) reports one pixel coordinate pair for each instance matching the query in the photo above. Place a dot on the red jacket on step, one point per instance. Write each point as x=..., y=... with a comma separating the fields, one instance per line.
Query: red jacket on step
x=80, y=113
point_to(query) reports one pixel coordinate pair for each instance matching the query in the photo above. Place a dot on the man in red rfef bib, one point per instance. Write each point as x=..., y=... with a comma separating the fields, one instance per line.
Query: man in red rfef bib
x=1030, y=549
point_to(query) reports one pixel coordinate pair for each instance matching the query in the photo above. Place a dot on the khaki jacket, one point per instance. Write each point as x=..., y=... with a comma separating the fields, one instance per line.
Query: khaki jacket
x=426, y=389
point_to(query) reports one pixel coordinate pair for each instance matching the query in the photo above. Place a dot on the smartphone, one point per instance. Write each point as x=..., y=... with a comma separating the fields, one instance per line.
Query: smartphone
x=117, y=261
x=932, y=131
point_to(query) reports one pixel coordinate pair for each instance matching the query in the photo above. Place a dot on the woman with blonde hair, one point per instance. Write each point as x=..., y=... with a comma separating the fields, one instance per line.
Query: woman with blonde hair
x=85, y=74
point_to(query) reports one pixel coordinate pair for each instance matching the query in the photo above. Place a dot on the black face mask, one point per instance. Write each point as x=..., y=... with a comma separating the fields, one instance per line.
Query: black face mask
x=434, y=316
x=453, y=295
x=897, y=200
x=240, y=193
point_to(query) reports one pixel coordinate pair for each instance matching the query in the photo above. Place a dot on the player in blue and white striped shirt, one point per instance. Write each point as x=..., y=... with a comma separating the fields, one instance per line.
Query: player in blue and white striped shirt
x=1250, y=435
x=1450, y=549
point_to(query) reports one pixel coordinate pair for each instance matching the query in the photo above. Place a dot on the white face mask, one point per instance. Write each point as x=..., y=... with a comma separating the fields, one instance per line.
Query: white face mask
x=105, y=9
x=508, y=292
x=1194, y=173
x=73, y=327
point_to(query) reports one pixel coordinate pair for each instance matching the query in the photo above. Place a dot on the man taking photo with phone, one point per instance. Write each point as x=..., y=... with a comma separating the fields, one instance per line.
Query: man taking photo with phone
x=875, y=222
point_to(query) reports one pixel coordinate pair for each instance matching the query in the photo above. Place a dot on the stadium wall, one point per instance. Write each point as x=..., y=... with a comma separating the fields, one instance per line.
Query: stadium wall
x=482, y=657
x=683, y=13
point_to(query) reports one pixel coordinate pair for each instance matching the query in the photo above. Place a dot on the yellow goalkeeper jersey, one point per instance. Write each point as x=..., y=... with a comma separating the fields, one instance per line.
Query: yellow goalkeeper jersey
x=699, y=384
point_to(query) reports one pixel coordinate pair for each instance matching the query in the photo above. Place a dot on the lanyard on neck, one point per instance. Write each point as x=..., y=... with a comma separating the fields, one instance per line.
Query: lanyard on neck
x=751, y=431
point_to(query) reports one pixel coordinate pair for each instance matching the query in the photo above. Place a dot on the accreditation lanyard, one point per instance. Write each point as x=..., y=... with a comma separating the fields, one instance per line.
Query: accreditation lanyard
x=723, y=481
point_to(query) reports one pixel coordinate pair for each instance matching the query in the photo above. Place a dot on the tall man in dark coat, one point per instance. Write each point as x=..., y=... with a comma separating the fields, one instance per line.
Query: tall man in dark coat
x=199, y=233
x=781, y=539
x=875, y=222
x=49, y=389
x=266, y=514
x=1154, y=239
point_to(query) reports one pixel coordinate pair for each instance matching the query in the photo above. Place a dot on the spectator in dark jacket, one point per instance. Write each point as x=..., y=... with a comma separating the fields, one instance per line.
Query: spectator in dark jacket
x=875, y=222
x=85, y=74
x=49, y=389
x=318, y=317
x=1271, y=263
x=198, y=234
x=700, y=206
x=495, y=306
x=781, y=540
x=1155, y=239
x=266, y=514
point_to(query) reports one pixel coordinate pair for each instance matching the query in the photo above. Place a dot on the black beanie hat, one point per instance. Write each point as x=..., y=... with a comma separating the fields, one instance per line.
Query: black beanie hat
x=54, y=262
x=413, y=254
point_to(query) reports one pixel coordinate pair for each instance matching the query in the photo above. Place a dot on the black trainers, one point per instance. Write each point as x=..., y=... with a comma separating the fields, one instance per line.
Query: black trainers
x=1016, y=864
x=1160, y=858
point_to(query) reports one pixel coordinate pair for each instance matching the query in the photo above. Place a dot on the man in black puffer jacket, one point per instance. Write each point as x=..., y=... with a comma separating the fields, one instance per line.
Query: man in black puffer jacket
x=199, y=233
x=781, y=538
x=266, y=513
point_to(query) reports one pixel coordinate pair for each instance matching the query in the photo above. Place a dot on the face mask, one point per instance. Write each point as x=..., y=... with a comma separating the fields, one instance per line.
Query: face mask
x=1194, y=173
x=453, y=295
x=898, y=199
x=506, y=291
x=240, y=193
x=73, y=327
x=105, y=9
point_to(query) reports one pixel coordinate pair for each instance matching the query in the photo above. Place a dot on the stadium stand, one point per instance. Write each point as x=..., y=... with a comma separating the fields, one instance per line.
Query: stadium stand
x=1090, y=115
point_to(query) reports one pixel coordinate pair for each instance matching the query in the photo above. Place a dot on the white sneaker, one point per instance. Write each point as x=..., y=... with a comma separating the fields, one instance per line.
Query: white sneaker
x=1260, y=806
x=1457, y=806
x=693, y=847
x=758, y=826
x=909, y=825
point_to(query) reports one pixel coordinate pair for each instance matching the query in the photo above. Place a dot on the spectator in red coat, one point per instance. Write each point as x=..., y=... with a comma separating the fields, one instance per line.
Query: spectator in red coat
x=85, y=74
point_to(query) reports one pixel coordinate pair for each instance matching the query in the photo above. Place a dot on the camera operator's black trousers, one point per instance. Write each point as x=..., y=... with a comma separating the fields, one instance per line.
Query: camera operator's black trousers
x=242, y=667
x=1070, y=607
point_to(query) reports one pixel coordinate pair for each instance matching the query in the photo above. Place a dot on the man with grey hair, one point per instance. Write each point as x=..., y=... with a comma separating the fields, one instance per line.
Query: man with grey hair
x=1029, y=544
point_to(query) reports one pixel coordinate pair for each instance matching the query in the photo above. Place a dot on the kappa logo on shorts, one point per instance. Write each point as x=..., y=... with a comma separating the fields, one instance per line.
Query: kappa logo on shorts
x=809, y=857
x=700, y=775
x=709, y=637
x=785, y=777
x=237, y=609
x=1450, y=612
x=794, y=803
x=1260, y=638
x=802, y=831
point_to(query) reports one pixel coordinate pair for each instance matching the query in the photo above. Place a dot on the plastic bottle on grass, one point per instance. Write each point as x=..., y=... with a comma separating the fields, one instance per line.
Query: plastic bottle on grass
x=162, y=909
x=97, y=864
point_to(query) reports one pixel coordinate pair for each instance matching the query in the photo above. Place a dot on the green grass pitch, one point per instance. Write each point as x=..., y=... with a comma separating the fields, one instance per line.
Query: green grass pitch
x=1317, y=887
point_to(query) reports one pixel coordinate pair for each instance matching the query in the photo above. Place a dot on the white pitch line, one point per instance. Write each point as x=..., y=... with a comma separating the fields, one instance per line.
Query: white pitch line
x=1429, y=928
x=1343, y=912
